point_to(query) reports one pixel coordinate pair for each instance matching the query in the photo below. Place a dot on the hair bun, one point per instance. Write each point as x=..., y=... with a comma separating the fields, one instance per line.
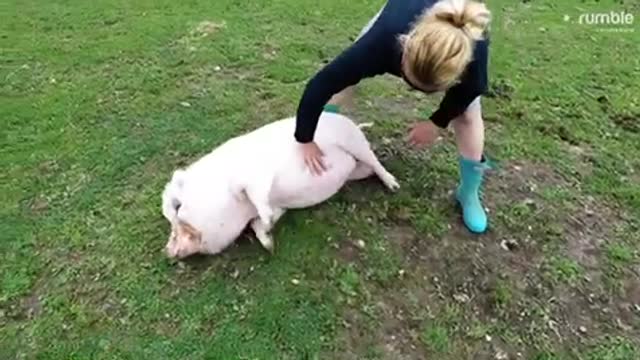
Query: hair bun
x=471, y=16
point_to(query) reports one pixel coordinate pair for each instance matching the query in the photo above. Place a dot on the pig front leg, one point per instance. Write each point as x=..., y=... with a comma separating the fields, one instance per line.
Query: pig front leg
x=263, y=230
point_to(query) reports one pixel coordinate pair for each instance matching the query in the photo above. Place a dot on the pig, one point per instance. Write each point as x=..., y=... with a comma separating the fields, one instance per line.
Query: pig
x=252, y=179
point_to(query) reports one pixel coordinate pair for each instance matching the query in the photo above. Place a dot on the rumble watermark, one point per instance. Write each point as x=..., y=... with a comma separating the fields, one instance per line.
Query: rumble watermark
x=613, y=21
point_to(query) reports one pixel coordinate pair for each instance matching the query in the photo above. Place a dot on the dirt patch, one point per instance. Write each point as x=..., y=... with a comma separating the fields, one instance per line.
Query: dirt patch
x=404, y=237
x=206, y=28
x=587, y=230
x=200, y=31
x=520, y=180
x=25, y=308
x=627, y=122
x=396, y=334
x=628, y=309
x=349, y=251
x=207, y=80
x=394, y=338
x=576, y=227
x=32, y=306
x=399, y=332
x=584, y=159
x=560, y=132
x=48, y=168
x=632, y=290
x=39, y=204
x=501, y=89
x=500, y=279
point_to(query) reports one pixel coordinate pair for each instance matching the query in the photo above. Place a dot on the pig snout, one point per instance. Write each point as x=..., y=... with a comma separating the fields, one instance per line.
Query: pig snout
x=178, y=252
x=181, y=244
x=171, y=252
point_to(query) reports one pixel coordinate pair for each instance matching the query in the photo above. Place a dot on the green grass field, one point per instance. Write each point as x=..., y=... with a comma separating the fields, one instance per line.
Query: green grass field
x=101, y=101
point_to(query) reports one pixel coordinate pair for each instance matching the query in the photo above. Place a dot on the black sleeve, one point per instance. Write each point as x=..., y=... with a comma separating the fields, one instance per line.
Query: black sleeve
x=367, y=57
x=474, y=82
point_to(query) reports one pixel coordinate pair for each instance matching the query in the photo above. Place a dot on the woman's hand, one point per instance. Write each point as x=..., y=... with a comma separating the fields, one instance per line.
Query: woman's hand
x=313, y=157
x=423, y=134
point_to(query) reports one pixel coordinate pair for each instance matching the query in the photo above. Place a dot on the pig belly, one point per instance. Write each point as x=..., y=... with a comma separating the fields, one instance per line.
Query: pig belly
x=296, y=187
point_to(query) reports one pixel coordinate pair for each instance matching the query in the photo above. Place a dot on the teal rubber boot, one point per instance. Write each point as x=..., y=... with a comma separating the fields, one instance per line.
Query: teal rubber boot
x=332, y=108
x=468, y=194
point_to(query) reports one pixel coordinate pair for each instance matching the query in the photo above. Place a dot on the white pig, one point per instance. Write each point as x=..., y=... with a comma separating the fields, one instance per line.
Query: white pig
x=252, y=179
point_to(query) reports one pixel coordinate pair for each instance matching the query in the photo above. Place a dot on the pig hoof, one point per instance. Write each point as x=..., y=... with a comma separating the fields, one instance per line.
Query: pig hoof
x=262, y=234
x=390, y=182
x=267, y=243
x=270, y=248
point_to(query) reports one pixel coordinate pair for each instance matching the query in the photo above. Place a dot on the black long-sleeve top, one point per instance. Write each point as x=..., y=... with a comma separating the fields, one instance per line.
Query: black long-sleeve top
x=379, y=52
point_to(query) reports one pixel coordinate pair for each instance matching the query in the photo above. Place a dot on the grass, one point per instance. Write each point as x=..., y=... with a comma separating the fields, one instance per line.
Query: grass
x=100, y=101
x=502, y=294
x=436, y=338
x=565, y=269
x=614, y=349
x=620, y=255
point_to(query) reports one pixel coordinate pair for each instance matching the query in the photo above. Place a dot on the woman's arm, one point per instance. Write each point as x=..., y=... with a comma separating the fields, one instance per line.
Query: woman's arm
x=365, y=58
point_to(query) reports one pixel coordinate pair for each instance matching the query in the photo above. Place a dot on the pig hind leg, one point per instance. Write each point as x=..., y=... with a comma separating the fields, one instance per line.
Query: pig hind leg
x=359, y=147
x=361, y=171
x=262, y=230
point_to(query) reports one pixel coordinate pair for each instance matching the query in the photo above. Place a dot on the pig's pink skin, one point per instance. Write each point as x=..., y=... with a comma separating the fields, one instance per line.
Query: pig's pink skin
x=253, y=178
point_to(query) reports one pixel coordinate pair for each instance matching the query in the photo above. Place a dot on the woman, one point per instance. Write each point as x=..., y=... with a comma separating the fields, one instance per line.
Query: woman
x=434, y=46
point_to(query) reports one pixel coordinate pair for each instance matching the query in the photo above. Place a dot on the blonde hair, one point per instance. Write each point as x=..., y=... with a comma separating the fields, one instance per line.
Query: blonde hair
x=440, y=46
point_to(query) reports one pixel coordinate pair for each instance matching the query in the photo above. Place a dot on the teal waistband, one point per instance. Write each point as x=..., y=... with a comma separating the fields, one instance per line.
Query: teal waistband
x=332, y=108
